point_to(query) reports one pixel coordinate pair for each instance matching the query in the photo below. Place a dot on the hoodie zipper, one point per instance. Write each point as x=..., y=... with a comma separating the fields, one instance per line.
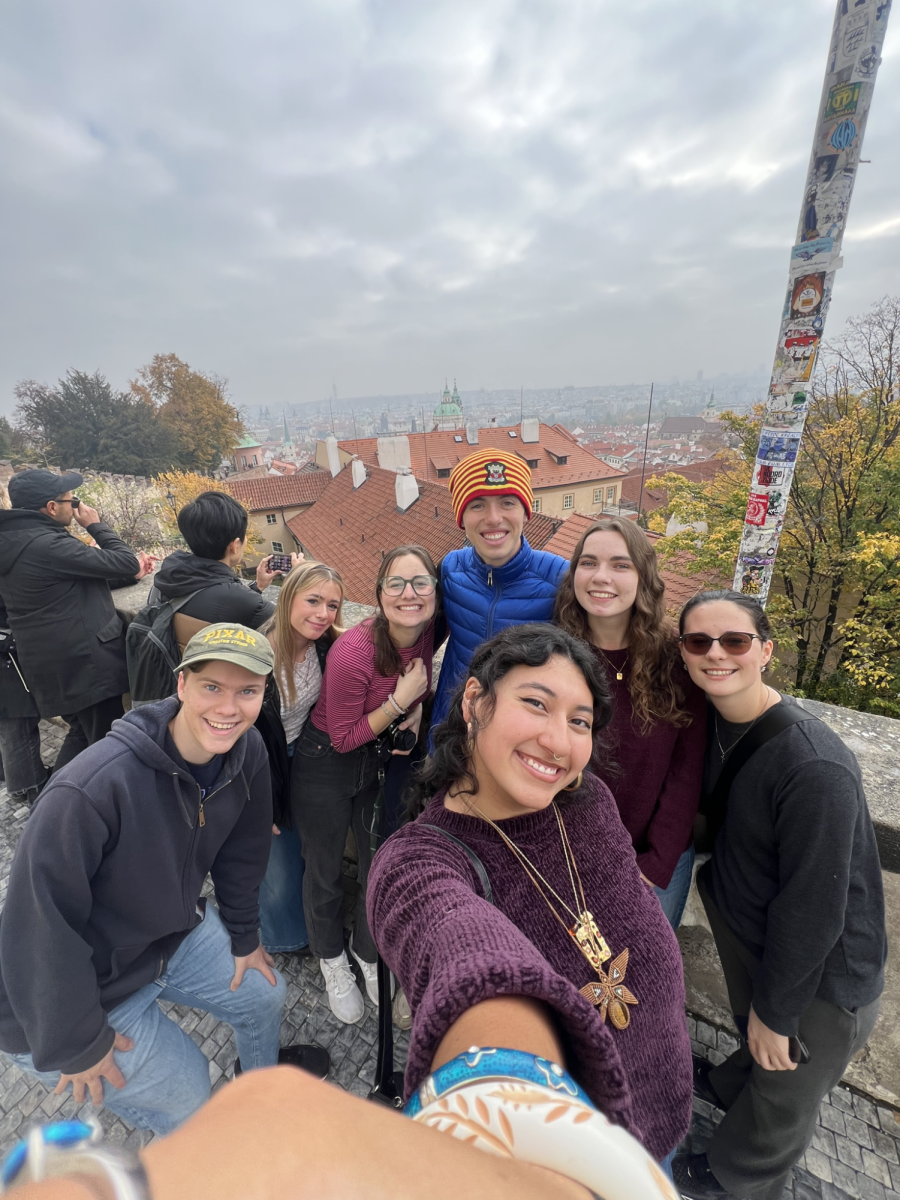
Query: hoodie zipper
x=203, y=798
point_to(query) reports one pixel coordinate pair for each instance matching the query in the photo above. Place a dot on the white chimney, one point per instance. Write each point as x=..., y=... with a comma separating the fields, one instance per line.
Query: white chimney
x=406, y=489
x=531, y=430
x=358, y=470
x=393, y=453
x=334, y=459
x=472, y=435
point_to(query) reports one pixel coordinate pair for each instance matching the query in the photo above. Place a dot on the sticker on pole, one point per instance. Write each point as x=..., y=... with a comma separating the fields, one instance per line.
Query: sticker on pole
x=777, y=446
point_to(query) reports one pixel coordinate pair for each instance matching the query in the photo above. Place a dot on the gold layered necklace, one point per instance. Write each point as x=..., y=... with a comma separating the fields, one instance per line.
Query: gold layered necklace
x=608, y=993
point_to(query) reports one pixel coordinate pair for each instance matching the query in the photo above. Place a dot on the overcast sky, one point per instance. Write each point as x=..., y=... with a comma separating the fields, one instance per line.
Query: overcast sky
x=379, y=193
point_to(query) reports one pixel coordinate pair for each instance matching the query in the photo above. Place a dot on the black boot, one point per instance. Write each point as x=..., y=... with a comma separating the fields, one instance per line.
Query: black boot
x=313, y=1059
x=703, y=1089
x=694, y=1178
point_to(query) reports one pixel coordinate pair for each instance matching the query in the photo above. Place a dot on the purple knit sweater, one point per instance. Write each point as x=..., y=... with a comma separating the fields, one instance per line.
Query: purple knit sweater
x=451, y=949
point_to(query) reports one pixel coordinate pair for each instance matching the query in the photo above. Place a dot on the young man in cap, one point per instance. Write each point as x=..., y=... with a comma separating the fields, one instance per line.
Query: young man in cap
x=104, y=915
x=70, y=641
x=497, y=580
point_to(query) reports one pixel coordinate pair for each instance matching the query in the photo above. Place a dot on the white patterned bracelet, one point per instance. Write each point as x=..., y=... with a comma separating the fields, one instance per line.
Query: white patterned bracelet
x=519, y=1106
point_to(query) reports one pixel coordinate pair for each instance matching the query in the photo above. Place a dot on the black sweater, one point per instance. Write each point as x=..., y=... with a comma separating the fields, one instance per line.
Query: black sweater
x=106, y=880
x=796, y=875
x=223, y=598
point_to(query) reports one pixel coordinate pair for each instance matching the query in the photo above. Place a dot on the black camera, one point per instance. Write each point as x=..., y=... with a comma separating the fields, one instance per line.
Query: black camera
x=394, y=738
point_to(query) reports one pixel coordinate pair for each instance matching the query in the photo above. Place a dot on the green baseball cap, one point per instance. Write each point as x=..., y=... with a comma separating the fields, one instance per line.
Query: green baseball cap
x=247, y=648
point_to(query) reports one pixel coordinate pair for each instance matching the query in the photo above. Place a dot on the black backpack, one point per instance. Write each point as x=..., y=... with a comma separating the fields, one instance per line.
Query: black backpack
x=151, y=651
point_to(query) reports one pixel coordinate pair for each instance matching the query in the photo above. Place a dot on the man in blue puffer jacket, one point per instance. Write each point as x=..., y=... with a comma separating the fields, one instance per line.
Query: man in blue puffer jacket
x=497, y=580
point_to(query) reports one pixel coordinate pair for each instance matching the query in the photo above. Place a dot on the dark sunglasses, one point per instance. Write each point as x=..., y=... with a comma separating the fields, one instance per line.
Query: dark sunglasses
x=731, y=643
x=74, y=501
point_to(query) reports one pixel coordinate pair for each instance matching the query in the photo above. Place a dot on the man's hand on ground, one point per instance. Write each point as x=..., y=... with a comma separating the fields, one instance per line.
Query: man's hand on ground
x=260, y=961
x=92, y=1078
x=85, y=515
x=770, y=1049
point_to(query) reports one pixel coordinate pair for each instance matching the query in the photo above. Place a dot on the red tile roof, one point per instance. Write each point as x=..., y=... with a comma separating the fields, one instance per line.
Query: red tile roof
x=654, y=498
x=554, y=443
x=279, y=491
x=679, y=586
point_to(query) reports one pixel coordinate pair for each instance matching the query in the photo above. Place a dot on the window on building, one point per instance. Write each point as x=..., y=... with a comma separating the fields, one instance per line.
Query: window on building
x=443, y=472
x=277, y=548
x=598, y=495
x=536, y=506
x=610, y=493
x=243, y=460
x=271, y=519
x=569, y=500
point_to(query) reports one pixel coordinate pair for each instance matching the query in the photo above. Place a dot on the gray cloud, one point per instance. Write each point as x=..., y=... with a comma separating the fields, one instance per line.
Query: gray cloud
x=381, y=193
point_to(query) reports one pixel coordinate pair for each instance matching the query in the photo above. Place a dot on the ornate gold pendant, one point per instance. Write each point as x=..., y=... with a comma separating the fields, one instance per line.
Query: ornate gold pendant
x=610, y=995
x=591, y=942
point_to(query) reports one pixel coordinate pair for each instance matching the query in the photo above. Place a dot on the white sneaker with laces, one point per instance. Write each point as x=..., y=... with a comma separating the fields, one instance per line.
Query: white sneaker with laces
x=344, y=996
x=370, y=974
x=401, y=1011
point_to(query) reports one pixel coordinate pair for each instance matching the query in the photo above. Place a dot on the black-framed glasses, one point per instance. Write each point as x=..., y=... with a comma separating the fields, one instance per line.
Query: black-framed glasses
x=732, y=643
x=422, y=585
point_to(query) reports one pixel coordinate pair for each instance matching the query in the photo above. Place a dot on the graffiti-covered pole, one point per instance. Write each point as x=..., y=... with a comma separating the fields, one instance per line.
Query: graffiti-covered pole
x=853, y=59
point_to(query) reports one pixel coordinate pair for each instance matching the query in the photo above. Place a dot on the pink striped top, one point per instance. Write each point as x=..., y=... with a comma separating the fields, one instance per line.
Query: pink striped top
x=352, y=687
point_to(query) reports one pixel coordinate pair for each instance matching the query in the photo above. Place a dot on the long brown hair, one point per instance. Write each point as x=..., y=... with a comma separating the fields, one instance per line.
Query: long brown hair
x=303, y=577
x=387, y=656
x=652, y=649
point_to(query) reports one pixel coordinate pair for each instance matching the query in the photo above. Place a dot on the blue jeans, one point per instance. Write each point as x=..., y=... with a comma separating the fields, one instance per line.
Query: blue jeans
x=674, y=897
x=281, y=920
x=166, y=1074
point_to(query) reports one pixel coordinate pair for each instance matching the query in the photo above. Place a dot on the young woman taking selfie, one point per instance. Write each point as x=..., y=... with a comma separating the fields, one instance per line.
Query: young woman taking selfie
x=512, y=908
x=793, y=893
x=651, y=754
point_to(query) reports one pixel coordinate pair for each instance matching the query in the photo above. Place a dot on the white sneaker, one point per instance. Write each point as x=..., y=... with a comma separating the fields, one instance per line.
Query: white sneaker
x=401, y=1011
x=370, y=975
x=344, y=996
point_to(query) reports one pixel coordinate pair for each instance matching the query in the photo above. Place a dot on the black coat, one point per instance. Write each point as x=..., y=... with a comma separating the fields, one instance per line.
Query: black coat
x=224, y=597
x=69, y=637
x=16, y=700
x=269, y=725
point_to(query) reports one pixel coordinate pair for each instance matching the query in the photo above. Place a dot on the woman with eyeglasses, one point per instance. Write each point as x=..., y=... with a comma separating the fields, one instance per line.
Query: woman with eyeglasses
x=793, y=893
x=651, y=755
x=367, y=719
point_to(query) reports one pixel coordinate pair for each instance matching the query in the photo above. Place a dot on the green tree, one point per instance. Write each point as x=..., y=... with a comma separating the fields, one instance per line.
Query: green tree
x=82, y=422
x=836, y=590
x=194, y=407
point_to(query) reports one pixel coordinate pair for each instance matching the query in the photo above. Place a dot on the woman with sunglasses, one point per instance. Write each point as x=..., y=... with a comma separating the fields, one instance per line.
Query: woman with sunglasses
x=512, y=910
x=651, y=755
x=379, y=672
x=793, y=893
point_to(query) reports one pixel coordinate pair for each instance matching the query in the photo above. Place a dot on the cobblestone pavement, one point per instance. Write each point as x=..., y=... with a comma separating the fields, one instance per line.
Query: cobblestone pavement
x=855, y=1151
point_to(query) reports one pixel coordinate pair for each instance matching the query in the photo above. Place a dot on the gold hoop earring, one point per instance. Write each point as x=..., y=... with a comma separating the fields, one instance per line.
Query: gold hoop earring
x=576, y=784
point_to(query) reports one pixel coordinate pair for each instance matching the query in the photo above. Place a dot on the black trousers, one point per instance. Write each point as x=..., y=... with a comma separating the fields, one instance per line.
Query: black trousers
x=770, y=1116
x=87, y=726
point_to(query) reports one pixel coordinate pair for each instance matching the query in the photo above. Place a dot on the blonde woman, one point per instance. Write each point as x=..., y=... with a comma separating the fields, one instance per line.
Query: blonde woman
x=305, y=623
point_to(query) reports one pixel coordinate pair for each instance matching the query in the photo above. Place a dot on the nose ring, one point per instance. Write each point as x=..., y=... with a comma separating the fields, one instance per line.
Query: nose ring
x=557, y=758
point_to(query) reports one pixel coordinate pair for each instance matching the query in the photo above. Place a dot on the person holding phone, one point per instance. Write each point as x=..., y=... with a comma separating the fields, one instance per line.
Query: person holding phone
x=366, y=719
x=794, y=896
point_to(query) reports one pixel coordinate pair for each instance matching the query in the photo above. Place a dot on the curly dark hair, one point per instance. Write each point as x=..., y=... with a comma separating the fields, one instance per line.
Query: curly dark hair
x=519, y=646
x=653, y=650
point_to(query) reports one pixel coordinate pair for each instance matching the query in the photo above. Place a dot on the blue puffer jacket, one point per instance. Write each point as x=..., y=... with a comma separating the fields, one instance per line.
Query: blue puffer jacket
x=479, y=601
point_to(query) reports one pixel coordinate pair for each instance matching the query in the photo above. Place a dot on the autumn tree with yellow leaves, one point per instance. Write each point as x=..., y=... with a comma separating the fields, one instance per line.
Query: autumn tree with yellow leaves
x=835, y=599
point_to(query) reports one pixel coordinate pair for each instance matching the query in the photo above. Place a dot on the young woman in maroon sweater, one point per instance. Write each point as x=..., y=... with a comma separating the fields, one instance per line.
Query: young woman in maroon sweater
x=378, y=674
x=506, y=780
x=651, y=756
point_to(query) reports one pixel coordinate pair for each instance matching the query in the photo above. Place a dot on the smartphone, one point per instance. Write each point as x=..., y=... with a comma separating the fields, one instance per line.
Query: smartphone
x=280, y=563
x=797, y=1051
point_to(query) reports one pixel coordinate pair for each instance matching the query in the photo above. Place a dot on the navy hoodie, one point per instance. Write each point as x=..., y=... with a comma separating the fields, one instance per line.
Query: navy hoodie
x=106, y=880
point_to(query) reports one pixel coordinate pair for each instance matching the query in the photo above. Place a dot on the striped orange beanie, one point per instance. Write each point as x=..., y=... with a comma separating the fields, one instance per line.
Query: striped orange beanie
x=490, y=472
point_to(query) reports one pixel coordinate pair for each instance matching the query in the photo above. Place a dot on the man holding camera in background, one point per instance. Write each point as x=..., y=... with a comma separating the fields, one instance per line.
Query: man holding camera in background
x=70, y=641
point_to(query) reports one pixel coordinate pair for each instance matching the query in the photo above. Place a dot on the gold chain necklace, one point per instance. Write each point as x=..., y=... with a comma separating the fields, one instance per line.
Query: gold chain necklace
x=609, y=994
x=617, y=671
x=722, y=751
